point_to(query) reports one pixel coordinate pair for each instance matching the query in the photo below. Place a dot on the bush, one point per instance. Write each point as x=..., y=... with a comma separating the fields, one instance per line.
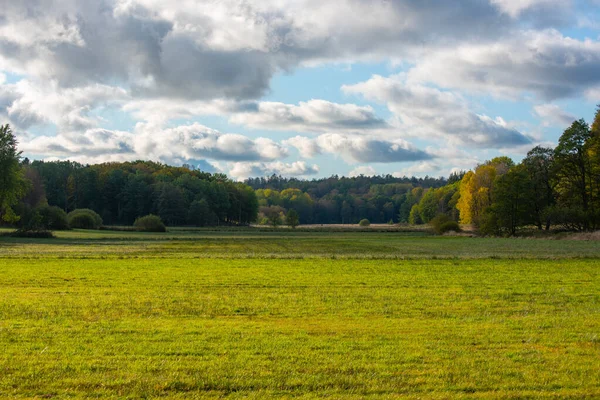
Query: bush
x=84, y=219
x=53, y=218
x=449, y=226
x=149, y=223
x=364, y=222
x=442, y=224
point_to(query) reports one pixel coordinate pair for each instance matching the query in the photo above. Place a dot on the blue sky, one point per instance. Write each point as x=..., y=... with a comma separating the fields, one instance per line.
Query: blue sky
x=297, y=87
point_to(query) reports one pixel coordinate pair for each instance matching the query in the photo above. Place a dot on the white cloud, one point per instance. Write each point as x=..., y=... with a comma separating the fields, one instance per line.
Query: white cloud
x=428, y=112
x=177, y=145
x=515, y=7
x=360, y=149
x=365, y=170
x=231, y=48
x=422, y=169
x=545, y=63
x=245, y=170
x=554, y=115
x=27, y=104
x=307, y=147
x=593, y=94
x=357, y=149
x=311, y=116
x=94, y=146
x=162, y=62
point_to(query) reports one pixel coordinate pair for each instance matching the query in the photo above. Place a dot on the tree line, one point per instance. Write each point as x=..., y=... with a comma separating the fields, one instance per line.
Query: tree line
x=342, y=200
x=120, y=192
x=551, y=187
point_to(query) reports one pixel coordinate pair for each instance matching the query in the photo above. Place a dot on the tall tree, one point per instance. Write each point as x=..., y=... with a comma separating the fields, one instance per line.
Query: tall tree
x=477, y=187
x=512, y=202
x=13, y=185
x=594, y=155
x=596, y=124
x=576, y=185
x=538, y=165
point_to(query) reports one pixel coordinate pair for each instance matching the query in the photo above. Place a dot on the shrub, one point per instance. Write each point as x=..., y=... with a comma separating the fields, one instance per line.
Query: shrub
x=149, y=223
x=364, y=222
x=449, y=226
x=53, y=218
x=84, y=218
x=442, y=224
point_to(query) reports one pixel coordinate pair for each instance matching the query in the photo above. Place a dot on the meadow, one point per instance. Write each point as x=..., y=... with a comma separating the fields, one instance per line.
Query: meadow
x=243, y=314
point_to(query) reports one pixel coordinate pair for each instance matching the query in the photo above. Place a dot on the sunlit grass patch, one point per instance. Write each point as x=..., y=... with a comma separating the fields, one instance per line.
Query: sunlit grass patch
x=181, y=327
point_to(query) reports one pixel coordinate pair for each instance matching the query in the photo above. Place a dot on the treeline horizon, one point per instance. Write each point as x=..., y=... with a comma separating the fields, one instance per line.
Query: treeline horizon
x=550, y=187
x=121, y=192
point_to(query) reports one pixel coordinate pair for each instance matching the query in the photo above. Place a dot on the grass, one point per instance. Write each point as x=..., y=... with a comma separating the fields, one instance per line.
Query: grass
x=202, y=314
x=286, y=244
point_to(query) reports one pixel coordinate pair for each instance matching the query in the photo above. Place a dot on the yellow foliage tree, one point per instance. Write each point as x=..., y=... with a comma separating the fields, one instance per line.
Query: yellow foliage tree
x=476, y=191
x=466, y=198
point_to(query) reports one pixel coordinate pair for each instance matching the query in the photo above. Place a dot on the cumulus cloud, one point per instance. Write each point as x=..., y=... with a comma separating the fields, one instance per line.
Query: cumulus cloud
x=197, y=141
x=366, y=150
x=420, y=170
x=229, y=48
x=93, y=146
x=514, y=8
x=163, y=62
x=245, y=170
x=593, y=94
x=311, y=116
x=429, y=112
x=358, y=149
x=307, y=147
x=365, y=170
x=182, y=144
x=554, y=115
x=27, y=104
x=544, y=63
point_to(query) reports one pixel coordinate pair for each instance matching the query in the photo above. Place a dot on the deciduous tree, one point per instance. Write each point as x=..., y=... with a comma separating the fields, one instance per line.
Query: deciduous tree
x=13, y=185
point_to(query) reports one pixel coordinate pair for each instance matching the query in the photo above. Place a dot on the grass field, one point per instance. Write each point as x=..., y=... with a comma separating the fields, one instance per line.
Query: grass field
x=199, y=314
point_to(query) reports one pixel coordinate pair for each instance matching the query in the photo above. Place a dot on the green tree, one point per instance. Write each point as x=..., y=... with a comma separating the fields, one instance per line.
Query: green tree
x=171, y=205
x=415, y=217
x=538, y=165
x=199, y=213
x=596, y=124
x=594, y=155
x=292, y=219
x=575, y=183
x=13, y=185
x=512, y=201
x=274, y=215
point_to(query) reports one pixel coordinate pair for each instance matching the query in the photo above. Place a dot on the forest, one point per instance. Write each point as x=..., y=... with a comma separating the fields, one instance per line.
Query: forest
x=550, y=188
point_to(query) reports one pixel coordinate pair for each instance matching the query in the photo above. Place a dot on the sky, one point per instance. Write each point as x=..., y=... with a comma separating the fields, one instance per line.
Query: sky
x=300, y=88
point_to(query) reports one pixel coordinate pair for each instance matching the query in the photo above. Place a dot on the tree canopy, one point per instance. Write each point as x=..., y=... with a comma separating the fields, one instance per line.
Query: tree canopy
x=13, y=185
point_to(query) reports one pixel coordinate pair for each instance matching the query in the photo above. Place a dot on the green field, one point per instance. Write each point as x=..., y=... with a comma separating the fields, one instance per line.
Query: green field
x=241, y=314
